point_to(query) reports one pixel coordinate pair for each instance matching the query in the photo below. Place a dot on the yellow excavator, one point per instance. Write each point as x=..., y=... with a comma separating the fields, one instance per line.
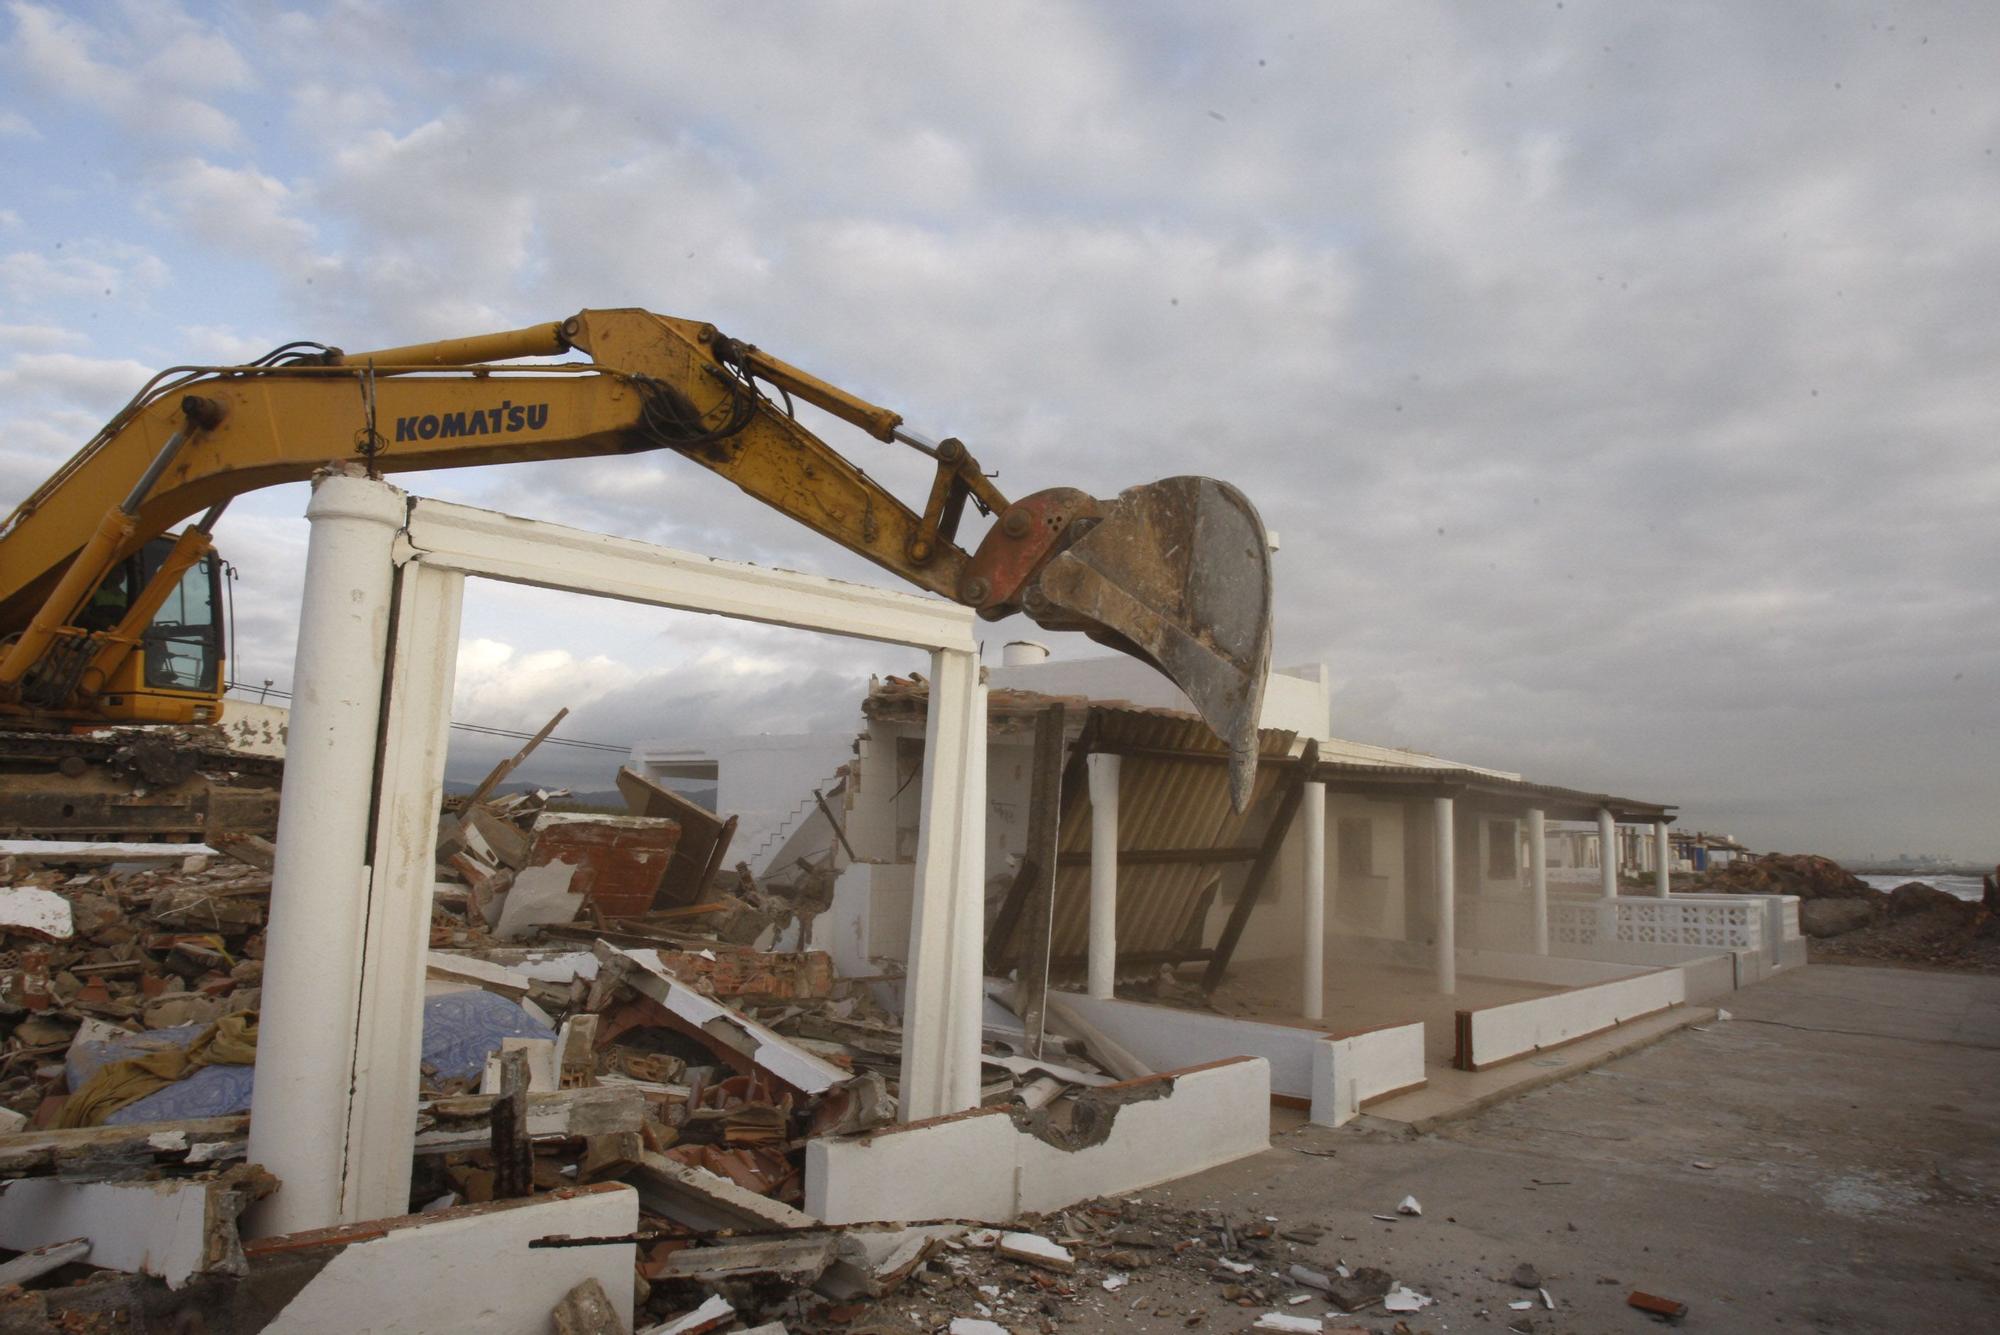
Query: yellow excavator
x=107, y=619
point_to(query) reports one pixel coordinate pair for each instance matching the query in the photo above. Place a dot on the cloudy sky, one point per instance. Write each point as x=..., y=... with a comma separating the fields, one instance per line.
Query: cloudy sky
x=1621, y=379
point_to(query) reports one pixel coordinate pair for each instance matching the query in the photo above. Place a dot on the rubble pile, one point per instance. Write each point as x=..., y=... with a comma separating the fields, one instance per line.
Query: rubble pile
x=1802, y=874
x=1849, y=919
x=599, y=1008
x=91, y=955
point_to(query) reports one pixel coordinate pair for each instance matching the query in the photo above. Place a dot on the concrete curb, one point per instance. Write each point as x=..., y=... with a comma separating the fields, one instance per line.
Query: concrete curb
x=1542, y=1078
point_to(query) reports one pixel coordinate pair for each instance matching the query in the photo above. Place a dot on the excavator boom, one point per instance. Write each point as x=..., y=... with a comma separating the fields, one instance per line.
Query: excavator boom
x=1175, y=572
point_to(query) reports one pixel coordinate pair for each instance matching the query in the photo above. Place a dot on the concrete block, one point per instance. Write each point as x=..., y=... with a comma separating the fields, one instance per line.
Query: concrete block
x=1352, y=1069
x=469, y=1269
x=1496, y=1033
x=171, y=1229
x=540, y=896
x=980, y=1165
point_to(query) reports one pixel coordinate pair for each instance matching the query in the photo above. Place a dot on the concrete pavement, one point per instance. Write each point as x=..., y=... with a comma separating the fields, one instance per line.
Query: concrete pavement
x=1827, y=1161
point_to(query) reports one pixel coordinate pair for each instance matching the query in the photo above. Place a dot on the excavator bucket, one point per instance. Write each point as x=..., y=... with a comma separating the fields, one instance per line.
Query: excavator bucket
x=1179, y=572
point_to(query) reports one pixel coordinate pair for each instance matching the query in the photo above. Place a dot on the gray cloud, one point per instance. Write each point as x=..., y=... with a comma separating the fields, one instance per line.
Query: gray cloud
x=1618, y=379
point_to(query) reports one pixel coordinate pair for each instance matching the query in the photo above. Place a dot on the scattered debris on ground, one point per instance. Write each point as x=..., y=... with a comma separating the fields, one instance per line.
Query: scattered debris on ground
x=606, y=1002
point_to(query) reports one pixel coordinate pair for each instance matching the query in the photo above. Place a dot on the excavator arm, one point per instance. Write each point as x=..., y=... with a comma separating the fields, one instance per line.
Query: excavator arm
x=1176, y=573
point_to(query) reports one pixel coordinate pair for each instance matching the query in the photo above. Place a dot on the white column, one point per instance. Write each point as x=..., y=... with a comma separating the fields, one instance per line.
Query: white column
x=1663, y=860
x=314, y=945
x=1447, y=907
x=1103, y=874
x=1607, y=842
x=1538, y=876
x=1312, y=978
x=941, y=996
x=390, y=1036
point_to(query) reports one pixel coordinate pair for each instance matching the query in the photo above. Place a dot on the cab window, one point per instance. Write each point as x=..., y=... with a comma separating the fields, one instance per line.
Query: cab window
x=182, y=645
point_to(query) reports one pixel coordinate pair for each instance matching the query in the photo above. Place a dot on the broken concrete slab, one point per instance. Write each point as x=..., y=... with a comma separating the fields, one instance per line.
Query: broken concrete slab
x=801, y=1259
x=713, y=1314
x=31, y=911
x=872, y=1263
x=471, y=1268
x=171, y=1229
x=707, y=1202
x=60, y=852
x=762, y=1048
x=448, y=1126
x=32, y=1153
x=540, y=896
x=1036, y=1250
x=984, y=1164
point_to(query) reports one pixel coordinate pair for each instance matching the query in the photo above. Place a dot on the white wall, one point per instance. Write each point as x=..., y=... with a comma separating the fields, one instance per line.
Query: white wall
x=979, y=1165
x=765, y=780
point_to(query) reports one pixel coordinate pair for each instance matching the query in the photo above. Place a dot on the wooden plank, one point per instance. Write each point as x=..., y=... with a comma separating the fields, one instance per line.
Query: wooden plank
x=506, y=767
x=513, y=1152
x=1260, y=870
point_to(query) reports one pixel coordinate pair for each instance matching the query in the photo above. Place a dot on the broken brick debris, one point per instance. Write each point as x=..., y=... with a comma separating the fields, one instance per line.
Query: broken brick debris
x=637, y=1030
x=1670, y=1308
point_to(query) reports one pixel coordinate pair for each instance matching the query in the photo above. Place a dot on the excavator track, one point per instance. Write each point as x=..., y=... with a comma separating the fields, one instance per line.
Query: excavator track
x=152, y=784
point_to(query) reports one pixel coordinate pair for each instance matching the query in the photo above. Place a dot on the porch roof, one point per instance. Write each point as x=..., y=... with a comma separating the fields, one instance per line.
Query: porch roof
x=1488, y=789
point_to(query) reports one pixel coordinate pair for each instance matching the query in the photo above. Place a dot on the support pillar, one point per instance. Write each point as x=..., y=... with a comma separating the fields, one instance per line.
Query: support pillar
x=1607, y=844
x=1103, y=875
x=1447, y=908
x=1538, y=877
x=303, y=1097
x=389, y=1038
x=942, y=1000
x=1312, y=978
x=1663, y=859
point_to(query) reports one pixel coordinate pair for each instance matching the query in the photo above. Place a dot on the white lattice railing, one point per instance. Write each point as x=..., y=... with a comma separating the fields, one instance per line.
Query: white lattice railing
x=1667, y=922
x=1574, y=922
x=1717, y=923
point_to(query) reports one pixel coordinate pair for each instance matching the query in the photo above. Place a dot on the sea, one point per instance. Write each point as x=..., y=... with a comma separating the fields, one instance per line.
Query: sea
x=1965, y=887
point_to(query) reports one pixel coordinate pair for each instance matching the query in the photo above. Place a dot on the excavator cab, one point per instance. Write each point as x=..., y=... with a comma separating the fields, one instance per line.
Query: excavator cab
x=171, y=669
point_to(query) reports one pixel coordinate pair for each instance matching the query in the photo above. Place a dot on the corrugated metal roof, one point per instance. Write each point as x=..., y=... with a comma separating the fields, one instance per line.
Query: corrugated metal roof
x=1164, y=802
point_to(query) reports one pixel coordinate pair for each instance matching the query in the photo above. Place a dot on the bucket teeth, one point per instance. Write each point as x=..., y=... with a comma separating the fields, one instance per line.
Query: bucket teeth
x=1179, y=571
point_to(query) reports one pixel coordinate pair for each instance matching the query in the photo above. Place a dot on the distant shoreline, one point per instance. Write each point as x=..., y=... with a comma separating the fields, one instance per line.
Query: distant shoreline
x=1919, y=872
